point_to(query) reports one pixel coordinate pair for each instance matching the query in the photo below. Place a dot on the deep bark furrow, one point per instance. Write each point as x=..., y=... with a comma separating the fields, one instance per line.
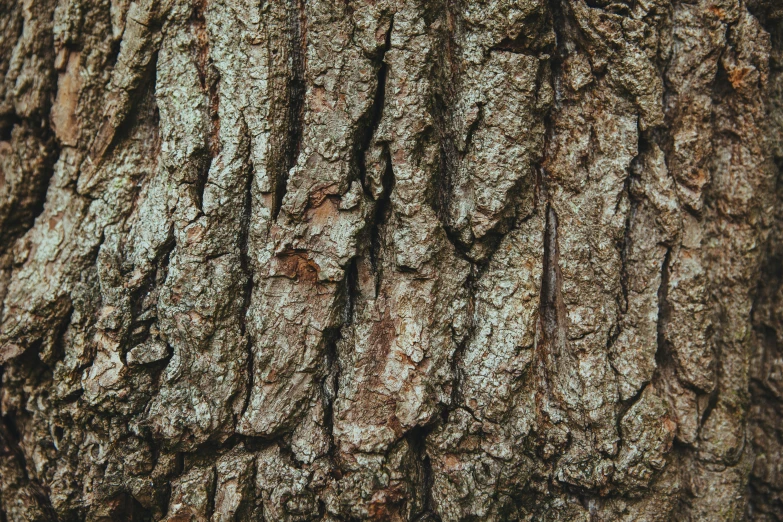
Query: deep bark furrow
x=296, y=98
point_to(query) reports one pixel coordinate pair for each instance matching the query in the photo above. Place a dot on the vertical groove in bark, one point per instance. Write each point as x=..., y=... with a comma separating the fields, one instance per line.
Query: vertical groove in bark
x=381, y=214
x=296, y=97
x=662, y=355
x=369, y=126
x=247, y=290
x=551, y=299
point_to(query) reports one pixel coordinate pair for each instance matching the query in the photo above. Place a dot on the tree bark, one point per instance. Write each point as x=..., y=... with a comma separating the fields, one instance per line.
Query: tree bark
x=391, y=260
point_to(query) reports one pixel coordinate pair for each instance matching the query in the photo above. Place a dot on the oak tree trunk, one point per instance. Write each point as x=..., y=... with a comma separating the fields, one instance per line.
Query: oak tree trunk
x=430, y=260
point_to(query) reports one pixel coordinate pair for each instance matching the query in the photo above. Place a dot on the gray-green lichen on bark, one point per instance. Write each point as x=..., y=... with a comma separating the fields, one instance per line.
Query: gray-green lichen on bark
x=391, y=260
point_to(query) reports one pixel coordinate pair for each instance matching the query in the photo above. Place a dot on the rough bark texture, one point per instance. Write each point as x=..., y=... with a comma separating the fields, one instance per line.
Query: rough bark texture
x=391, y=260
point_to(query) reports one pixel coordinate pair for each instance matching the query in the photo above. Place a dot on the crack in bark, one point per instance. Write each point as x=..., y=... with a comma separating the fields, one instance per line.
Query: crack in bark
x=367, y=127
x=296, y=91
x=551, y=300
x=209, y=78
x=366, y=131
x=247, y=270
x=663, y=356
x=461, y=347
x=382, y=214
x=330, y=386
x=417, y=439
x=212, y=493
x=331, y=390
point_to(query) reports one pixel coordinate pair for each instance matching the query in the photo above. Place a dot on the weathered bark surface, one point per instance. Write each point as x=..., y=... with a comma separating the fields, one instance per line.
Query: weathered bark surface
x=391, y=260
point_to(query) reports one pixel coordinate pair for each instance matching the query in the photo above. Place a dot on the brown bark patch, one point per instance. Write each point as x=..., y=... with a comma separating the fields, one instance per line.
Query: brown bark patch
x=64, y=118
x=297, y=265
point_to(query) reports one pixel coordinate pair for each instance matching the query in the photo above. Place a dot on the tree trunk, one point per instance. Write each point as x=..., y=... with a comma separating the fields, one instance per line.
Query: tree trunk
x=428, y=260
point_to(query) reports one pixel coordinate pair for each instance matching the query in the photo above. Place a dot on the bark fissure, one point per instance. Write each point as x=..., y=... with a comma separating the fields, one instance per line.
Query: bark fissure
x=369, y=126
x=297, y=87
x=551, y=301
x=662, y=354
x=381, y=216
x=247, y=290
